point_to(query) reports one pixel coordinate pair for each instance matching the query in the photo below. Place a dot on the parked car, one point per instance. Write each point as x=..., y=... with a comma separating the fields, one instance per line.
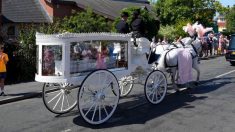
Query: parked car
x=230, y=54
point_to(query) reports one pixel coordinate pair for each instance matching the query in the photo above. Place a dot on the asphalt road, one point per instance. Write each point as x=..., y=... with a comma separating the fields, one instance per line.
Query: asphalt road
x=209, y=107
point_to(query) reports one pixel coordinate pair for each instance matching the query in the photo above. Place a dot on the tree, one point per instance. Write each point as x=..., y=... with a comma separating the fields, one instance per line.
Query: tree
x=172, y=11
x=220, y=8
x=230, y=20
x=85, y=22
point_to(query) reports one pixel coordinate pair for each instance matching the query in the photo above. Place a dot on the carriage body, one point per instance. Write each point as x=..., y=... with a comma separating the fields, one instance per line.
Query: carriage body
x=70, y=57
x=93, y=70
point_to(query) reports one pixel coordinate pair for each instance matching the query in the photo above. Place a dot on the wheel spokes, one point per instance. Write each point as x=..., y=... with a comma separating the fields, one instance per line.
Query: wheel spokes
x=155, y=87
x=57, y=102
x=59, y=99
x=98, y=100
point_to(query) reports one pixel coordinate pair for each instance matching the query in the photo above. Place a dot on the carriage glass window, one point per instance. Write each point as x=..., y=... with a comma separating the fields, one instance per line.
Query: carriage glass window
x=86, y=56
x=52, y=60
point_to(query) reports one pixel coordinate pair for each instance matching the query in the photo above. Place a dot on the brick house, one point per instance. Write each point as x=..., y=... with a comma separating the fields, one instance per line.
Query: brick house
x=16, y=12
x=221, y=22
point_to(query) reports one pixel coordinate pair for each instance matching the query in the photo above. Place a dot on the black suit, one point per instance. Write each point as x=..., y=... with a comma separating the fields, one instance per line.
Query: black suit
x=138, y=27
x=122, y=27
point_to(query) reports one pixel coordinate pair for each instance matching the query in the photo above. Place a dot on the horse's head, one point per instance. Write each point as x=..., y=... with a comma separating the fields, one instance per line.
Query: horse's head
x=197, y=45
x=199, y=30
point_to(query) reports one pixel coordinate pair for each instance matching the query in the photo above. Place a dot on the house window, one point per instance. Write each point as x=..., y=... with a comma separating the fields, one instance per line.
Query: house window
x=11, y=30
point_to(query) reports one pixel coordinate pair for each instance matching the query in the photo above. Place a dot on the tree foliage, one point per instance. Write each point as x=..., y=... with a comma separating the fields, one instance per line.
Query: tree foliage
x=220, y=8
x=171, y=32
x=230, y=20
x=172, y=11
x=85, y=22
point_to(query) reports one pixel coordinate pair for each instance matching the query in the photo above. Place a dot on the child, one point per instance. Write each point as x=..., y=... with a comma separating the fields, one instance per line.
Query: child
x=3, y=61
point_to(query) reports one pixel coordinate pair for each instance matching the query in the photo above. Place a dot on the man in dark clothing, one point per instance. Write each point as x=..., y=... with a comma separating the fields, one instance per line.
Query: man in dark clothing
x=122, y=26
x=209, y=43
x=137, y=25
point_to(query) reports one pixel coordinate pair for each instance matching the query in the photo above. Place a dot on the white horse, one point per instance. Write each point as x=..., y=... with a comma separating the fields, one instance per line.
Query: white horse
x=169, y=54
x=169, y=59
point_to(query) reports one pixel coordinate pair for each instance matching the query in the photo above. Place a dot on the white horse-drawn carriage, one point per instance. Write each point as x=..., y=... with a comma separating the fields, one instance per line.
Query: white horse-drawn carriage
x=93, y=70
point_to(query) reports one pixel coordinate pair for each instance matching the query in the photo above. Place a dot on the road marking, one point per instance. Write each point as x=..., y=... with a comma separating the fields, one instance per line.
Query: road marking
x=67, y=130
x=224, y=74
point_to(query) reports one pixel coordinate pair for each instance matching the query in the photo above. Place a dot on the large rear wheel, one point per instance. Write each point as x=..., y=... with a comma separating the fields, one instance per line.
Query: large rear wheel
x=98, y=96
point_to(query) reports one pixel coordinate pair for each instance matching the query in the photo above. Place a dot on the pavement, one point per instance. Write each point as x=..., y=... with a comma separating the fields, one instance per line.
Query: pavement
x=21, y=91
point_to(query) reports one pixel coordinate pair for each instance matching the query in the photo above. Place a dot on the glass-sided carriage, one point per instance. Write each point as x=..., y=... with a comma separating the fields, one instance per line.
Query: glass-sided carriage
x=93, y=70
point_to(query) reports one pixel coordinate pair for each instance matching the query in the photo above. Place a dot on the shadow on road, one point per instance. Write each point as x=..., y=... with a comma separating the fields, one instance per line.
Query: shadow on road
x=210, y=85
x=146, y=112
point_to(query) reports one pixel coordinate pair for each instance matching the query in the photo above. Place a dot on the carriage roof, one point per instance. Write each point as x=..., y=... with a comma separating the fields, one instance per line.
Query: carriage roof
x=63, y=38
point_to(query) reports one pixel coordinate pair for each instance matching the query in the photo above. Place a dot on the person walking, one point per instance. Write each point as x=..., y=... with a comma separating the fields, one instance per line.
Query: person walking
x=122, y=26
x=209, y=44
x=221, y=44
x=215, y=45
x=3, y=61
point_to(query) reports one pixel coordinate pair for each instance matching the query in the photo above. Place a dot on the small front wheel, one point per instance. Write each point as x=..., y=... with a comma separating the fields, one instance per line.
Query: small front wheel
x=155, y=87
x=98, y=97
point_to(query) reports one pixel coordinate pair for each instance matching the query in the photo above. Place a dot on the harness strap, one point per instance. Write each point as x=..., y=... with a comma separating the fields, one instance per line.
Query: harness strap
x=182, y=43
x=193, y=56
x=165, y=59
x=194, y=49
x=174, y=45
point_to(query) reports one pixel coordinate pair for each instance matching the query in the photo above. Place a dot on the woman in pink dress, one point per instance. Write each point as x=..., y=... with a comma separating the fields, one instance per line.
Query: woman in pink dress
x=222, y=45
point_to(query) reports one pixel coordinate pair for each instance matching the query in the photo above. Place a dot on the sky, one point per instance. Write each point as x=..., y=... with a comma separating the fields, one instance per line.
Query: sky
x=224, y=2
x=227, y=2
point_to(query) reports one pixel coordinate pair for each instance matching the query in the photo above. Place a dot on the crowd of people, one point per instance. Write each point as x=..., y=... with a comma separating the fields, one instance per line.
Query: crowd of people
x=212, y=44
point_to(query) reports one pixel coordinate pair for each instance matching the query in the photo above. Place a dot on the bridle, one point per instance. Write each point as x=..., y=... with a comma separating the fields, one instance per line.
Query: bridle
x=196, y=49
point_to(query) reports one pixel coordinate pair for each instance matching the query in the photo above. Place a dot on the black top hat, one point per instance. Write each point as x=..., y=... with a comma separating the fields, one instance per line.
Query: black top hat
x=124, y=14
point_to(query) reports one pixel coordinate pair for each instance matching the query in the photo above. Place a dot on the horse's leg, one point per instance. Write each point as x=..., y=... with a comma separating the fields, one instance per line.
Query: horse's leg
x=196, y=67
x=173, y=75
